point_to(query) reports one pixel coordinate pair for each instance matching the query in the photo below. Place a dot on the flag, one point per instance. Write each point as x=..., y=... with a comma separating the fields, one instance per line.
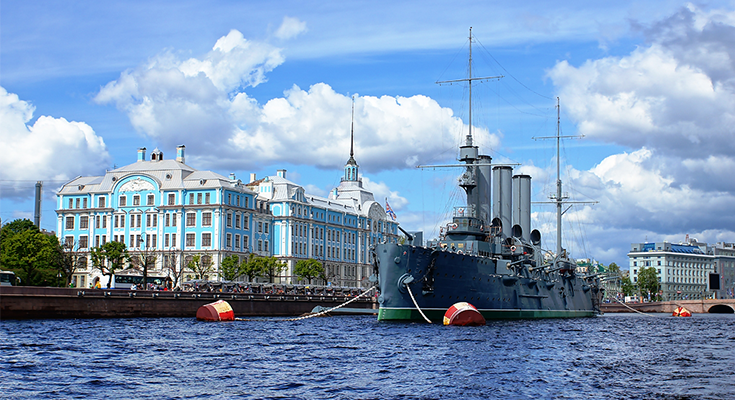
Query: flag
x=389, y=210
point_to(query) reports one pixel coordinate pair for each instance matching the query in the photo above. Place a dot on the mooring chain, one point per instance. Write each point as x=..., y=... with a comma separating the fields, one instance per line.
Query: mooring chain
x=319, y=314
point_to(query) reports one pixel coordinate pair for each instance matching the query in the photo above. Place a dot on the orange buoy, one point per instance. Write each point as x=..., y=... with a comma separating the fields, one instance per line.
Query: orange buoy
x=463, y=314
x=681, y=312
x=217, y=311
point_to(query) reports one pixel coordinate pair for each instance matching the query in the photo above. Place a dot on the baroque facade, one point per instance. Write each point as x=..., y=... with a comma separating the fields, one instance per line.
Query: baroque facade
x=175, y=212
x=164, y=208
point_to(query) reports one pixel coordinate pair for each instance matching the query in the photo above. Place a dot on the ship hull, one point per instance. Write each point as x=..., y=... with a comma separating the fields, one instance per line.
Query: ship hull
x=437, y=279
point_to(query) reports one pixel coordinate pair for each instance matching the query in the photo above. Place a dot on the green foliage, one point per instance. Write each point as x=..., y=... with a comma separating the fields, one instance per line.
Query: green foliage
x=613, y=268
x=71, y=260
x=231, y=268
x=269, y=267
x=308, y=269
x=201, y=265
x=628, y=287
x=109, y=258
x=648, y=282
x=143, y=260
x=251, y=268
x=34, y=256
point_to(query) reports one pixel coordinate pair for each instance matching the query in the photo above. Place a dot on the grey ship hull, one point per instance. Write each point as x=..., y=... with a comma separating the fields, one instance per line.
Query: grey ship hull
x=439, y=278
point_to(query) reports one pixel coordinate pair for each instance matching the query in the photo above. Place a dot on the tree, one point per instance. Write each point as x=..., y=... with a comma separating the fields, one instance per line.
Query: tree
x=173, y=267
x=613, y=269
x=628, y=287
x=71, y=260
x=109, y=258
x=144, y=259
x=308, y=269
x=31, y=254
x=648, y=282
x=251, y=267
x=201, y=265
x=270, y=267
x=231, y=268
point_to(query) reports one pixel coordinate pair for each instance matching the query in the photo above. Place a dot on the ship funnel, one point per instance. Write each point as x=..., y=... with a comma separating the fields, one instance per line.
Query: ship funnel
x=522, y=207
x=484, y=172
x=502, y=200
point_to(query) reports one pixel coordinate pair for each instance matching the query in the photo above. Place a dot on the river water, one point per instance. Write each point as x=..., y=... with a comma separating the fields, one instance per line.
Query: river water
x=615, y=356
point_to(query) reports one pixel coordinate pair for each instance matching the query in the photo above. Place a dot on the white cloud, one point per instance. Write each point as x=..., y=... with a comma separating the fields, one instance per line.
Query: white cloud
x=381, y=191
x=672, y=102
x=202, y=101
x=50, y=149
x=290, y=28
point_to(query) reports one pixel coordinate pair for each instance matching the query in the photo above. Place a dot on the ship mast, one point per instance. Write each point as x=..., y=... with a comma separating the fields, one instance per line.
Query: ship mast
x=559, y=199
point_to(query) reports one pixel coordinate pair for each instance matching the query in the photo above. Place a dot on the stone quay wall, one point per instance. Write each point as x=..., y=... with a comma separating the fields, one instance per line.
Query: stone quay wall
x=25, y=302
x=694, y=306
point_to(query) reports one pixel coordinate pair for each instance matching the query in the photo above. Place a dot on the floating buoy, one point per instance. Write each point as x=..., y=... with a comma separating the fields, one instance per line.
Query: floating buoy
x=681, y=312
x=217, y=311
x=463, y=314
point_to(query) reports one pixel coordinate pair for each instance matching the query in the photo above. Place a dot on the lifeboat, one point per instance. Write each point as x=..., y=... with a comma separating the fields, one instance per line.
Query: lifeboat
x=681, y=312
x=463, y=314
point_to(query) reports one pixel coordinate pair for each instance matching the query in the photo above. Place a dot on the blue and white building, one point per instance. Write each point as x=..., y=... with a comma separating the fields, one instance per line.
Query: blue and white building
x=337, y=230
x=167, y=208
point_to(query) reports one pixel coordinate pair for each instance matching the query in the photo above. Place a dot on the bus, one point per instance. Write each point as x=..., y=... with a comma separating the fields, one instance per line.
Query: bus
x=7, y=278
x=127, y=281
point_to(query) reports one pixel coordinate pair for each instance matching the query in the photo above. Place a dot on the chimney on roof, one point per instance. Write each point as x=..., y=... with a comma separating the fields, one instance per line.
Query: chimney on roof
x=141, y=154
x=252, y=177
x=281, y=173
x=232, y=176
x=180, y=154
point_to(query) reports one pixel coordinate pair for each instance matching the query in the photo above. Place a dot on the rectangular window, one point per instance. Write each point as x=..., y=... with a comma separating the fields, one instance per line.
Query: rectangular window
x=151, y=200
x=84, y=203
x=104, y=221
x=97, y=241
x=190, y=239
x=132, y=239
x=136, y=200
x=173, y=239
x=191, y=219
x=148, y=221
x=171, y=199
x=165, y=240
x=245, y=222
x=138, y=219
x=83, y=242
x=153, y=241
x=69, y=241
x=229, y=198
x=123, y=201
x=71, y=204
x=101, y=202
x=97, y=222
x=174, y=217
x=237, y=221
x=167, y=220
x=155, y=220
x=116, y=219
x=138, y=240
x=260, y=227
x=245, y=242
x=191, y=198
x=77, y=203
x=206, y=198
x=207, y=219
x=266, y=227
x=199, y=198
x=265, y=245
x=247, y=202
x=70, y=223
x=260, y=245
x=229, y=240
x=206, y=239
x=237, y=241
x=229, y=220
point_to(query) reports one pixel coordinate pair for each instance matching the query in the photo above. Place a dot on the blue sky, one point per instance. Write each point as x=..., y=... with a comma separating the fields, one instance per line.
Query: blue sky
x=252, y=86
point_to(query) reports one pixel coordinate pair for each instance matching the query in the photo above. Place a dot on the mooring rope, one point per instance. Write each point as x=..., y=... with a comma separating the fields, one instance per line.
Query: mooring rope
x=319, y=314
x=632, y=309
x=416, y=304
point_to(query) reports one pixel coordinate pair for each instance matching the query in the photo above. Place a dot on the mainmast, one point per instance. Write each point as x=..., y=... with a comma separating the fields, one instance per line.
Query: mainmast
x=559, y=199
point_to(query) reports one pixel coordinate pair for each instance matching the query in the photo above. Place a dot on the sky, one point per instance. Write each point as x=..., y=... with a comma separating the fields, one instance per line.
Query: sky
x=646, y=93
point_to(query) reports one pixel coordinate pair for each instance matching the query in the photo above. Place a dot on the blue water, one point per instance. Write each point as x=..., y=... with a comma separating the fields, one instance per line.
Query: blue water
x=616, y=356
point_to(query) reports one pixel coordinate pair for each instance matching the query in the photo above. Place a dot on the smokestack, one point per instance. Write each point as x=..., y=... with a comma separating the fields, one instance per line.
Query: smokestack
x=502, y=200
x=522, y=207
x=141, y=154
x=281, y=173
x=252, y=177
x=37, y=210
x=484, y=173
x=180, y=154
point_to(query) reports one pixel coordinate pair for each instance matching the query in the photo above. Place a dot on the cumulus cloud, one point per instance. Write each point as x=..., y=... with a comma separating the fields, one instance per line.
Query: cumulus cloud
x=671, y=101
x=204, y=101
x=382, y=191
x=50, y=149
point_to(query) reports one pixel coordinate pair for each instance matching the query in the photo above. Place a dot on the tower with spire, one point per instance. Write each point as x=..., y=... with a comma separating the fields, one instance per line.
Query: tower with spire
x=351, y=168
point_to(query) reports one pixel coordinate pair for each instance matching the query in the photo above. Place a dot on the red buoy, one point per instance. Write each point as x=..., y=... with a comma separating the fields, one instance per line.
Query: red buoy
x=464, y=314
x=217, y=311
x=681, y=312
